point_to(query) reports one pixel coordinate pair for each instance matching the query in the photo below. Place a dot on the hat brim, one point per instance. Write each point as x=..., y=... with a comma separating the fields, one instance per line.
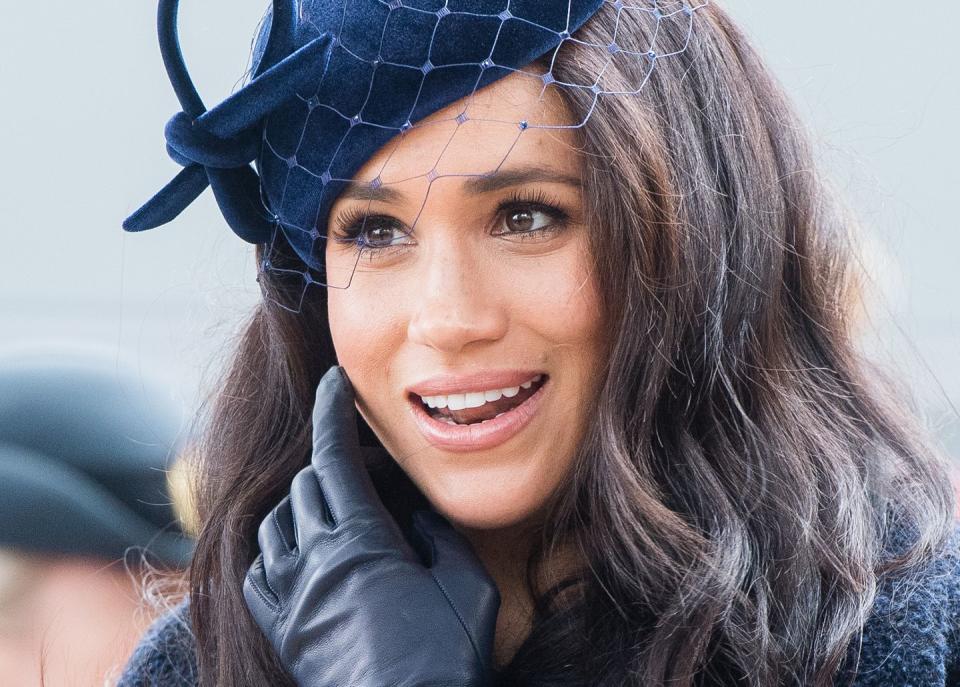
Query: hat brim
x=48, y=507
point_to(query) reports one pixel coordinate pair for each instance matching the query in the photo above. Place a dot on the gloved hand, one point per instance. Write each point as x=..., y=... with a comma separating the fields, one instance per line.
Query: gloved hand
x=344, y=598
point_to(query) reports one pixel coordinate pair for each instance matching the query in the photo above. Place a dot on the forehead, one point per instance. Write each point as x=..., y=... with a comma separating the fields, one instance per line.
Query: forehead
x=482, y=132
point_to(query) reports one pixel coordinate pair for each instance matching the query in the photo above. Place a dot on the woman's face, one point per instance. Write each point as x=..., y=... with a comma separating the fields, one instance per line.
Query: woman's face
x=457, y=290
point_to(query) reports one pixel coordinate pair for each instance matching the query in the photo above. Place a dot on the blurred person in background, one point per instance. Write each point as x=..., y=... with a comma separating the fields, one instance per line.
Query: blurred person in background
x=87, y=453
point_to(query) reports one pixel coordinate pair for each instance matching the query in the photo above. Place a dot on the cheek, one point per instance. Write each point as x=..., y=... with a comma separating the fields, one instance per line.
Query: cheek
x=558, y=299
x=364, y=334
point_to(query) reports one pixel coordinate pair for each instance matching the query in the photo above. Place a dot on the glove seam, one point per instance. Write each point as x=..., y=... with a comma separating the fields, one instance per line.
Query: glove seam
x=263, y=596
x=463, y=623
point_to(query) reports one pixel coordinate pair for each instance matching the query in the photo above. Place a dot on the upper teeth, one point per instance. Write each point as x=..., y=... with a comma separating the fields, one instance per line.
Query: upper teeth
x=475, y=399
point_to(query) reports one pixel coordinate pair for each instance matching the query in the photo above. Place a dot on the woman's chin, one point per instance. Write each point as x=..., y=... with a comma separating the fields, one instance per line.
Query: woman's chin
x=484, y=511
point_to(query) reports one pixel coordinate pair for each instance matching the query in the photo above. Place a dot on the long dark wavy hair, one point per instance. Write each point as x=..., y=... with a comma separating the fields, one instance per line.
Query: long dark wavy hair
x=743, y=465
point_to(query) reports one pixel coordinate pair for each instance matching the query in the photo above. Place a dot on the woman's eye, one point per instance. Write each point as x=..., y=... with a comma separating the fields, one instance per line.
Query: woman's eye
x=532, y=218
x=522, y=219
x=373, y=232
x=380, y=234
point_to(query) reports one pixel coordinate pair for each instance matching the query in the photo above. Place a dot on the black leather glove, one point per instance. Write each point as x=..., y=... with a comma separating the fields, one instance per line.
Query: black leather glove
x=344, y=598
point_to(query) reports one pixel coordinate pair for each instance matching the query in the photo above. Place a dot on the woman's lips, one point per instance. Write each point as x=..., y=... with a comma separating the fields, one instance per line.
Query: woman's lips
x=481, y=435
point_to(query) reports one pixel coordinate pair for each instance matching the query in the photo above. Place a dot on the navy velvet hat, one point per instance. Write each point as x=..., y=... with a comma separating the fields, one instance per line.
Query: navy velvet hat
x=333, y=81
x=85, y=449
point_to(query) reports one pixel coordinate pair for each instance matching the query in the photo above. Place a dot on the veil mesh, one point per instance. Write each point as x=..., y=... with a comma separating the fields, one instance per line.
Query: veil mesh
x=367, y=73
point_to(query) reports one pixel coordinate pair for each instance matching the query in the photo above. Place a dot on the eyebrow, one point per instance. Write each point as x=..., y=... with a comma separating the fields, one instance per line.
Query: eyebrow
x=472, y=184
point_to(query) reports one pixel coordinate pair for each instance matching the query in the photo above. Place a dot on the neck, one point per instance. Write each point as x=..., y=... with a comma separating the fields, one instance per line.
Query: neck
x=504, y=554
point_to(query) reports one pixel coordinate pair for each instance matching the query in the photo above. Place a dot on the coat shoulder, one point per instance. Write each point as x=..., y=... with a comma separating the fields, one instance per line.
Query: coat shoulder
x=912, y=636
x=166, y=654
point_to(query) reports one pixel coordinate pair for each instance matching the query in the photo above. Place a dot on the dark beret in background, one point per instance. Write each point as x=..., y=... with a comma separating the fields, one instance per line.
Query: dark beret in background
x=85, y=447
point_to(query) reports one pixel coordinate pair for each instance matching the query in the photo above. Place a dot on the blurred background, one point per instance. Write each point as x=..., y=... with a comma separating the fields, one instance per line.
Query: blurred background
x=85, y=100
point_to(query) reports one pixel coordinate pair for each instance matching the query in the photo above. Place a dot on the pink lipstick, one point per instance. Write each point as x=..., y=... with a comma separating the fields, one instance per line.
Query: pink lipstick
x=480, y=435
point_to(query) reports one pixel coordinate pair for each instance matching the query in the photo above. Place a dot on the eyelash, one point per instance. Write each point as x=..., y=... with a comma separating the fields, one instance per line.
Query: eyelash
x=350, y=224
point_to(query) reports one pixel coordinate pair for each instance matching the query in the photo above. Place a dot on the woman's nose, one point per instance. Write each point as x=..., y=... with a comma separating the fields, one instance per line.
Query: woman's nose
x=459, y=301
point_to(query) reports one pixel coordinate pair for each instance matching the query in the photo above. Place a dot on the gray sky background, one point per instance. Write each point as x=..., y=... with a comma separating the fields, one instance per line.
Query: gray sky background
x=85, y=100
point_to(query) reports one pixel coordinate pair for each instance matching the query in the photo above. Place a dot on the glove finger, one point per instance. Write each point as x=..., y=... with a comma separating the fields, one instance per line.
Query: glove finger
x=277, y=541
x=453, y=562
x=311, y=516
x=337, y=460
x=261, y=600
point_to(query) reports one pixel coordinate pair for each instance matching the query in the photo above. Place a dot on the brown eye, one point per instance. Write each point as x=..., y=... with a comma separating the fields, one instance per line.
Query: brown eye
x=379, y=235
x=526, y=218
x=368, y=232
